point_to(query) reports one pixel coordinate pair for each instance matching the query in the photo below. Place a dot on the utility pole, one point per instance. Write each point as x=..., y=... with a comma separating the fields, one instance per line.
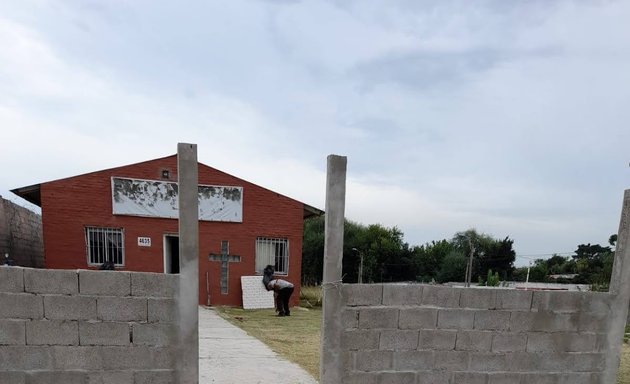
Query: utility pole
x=360, y=279
x=470, y=263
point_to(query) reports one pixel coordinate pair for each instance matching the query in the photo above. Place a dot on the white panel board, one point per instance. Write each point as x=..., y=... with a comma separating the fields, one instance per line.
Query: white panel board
x=255, y=296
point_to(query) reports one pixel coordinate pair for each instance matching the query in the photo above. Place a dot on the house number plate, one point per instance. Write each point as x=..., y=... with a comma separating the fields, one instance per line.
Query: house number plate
x=144, y=241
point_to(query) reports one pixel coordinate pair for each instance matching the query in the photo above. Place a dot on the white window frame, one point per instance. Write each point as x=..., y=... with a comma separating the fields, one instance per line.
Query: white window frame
x=272, y=251
x=103, y=255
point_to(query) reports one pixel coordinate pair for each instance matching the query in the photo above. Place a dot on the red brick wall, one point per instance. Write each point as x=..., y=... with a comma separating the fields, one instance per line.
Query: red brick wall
x=69, y=205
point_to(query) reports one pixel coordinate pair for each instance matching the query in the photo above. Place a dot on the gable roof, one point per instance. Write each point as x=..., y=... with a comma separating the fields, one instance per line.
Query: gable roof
x=32, y=193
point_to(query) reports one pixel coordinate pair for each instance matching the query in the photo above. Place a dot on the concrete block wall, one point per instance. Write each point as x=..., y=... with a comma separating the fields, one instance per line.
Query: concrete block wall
x=80, y=326
x=21, y=235
x=433, y=334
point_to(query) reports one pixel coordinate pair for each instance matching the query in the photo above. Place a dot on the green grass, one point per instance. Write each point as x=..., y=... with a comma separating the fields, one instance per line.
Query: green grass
x=624, y=368
x=296, y=337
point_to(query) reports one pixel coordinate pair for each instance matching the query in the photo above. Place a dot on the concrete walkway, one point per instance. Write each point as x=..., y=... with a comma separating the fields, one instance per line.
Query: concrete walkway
x=228, y=355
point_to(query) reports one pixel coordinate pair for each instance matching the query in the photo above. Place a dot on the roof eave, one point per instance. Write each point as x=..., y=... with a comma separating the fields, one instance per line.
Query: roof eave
x=310, y=211
x=31, y=193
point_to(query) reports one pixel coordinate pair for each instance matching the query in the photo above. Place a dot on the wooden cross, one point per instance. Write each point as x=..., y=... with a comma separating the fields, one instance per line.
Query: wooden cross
x=225, y=258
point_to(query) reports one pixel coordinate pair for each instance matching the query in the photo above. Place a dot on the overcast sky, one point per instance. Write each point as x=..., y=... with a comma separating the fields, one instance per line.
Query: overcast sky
x=512, y=117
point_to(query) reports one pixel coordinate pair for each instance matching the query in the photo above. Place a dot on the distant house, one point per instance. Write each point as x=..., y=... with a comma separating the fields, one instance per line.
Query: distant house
x=128, y=216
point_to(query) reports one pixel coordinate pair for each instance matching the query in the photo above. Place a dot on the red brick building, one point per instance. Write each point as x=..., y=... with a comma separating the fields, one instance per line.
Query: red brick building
x=127, y=215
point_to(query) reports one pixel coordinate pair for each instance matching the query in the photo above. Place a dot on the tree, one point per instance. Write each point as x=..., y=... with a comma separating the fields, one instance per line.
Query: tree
x=488, y=253
x=594, y=265
x=427, y=259
x=539, y=271
x=453, y=267
x=313, y=251
x=386, y=257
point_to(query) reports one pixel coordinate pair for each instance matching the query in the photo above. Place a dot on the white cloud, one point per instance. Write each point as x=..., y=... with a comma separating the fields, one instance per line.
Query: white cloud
x=506, y=116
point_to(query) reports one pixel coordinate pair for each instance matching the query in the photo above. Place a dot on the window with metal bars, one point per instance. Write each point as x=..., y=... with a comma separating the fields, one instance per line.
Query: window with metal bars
x=104, y=245
x=272, y=251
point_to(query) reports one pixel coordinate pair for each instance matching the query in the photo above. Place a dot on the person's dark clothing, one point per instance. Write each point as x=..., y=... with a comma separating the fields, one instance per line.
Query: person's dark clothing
x=284, y=290
x=284, y=294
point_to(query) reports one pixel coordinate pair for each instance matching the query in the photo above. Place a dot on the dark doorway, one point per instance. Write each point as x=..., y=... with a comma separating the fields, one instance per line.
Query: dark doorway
x=171, y=254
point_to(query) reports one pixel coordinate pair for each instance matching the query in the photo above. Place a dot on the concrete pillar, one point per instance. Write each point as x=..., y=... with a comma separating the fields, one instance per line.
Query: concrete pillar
x=620, y=287
x=331, y=361
x=188, y=299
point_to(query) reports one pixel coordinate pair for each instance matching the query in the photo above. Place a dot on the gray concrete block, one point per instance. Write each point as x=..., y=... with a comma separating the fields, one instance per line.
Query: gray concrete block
x=12, y=332
x=69, y=307
x=505, y=378
x=543, y=322
x=154, y=334
x=104, y=283
x=121, y=309
x=21, y=306
x=24, y=358
x=540, y=378
x=455, y=319
x=551, y=362
x=52, y=332
x=509, y=342
x=161, y=310
x=490, y=362
x=597, y=302
x=55, y=281
x=470, y=378
x=561, y=342
x=104, y=333
x=397, y=378
x=350, y=318
x=360, y=339
x=521, y=362
x=514, y=300
x=362, y=294
x=111, y=377
x=132, y=358
x=492, y=320
x=397, y=340
x=441, y=296
x=76, y=358
x=433, y=377
x=437, y=339
x=163, y=376
x=418, y=318
x=360, y=378
x=474, y=341
x=11, y=279
x=481, y=298
x=12, y=377
x=581, y=378
x=378, y=317
x=591, y=322
x=56, y=377
x=561, y=378
x=373, y=361
x=413, y=360
x=557, y=301
x=451, y=360
x=154, y=284
x=587, y=362
x=163, y=357
x=402, y=294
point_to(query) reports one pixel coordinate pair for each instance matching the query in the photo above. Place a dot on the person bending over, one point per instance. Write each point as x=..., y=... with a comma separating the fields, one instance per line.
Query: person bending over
x=282, y=290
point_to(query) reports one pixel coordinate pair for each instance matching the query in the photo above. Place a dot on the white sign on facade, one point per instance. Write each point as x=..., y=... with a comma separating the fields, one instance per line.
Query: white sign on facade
x=144, y=241
x=154, y=198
